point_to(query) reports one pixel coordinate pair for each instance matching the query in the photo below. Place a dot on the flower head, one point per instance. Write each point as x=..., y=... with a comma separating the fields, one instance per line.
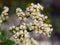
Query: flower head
x=31, y=19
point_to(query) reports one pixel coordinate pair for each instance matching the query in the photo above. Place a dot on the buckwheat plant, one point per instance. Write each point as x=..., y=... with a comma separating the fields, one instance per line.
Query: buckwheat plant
x=32, y=20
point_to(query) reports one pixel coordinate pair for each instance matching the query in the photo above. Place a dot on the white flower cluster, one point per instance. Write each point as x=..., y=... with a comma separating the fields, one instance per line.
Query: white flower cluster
x=4, y=14
x=19, y=31
x=20, y=14
x=21, y=36
x=37, y=24
x=33, y=10
x=27, y=42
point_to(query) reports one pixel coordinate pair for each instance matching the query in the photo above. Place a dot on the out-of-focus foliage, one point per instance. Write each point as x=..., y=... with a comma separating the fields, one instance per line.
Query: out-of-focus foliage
x=4, y=40
x=3, y=35
x=47, y=10
x=7, y=42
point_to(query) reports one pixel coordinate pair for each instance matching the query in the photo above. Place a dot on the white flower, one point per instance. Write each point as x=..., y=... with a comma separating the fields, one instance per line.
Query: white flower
x=50, y=25
x=17, y=28
x=4, y=16
x=10, y=28
x=41, y=7
x=6, y=9
x=40, y=32
x=15, y=36
x=20, y=18
x=21, y=31
x=18, y=9
x=14, y=31
x=32, y=4
x=46, y=17
x=13, y=26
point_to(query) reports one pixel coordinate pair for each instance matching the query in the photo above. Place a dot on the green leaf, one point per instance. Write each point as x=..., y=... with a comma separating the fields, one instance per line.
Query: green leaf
x=7, y=42
x=3, y=35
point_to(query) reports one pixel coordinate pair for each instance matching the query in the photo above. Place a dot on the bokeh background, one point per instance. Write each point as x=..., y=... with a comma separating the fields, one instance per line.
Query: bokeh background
x=51, y=9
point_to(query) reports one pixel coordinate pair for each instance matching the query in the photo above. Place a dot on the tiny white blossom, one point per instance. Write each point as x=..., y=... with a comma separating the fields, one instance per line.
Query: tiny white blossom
x=17, y=28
